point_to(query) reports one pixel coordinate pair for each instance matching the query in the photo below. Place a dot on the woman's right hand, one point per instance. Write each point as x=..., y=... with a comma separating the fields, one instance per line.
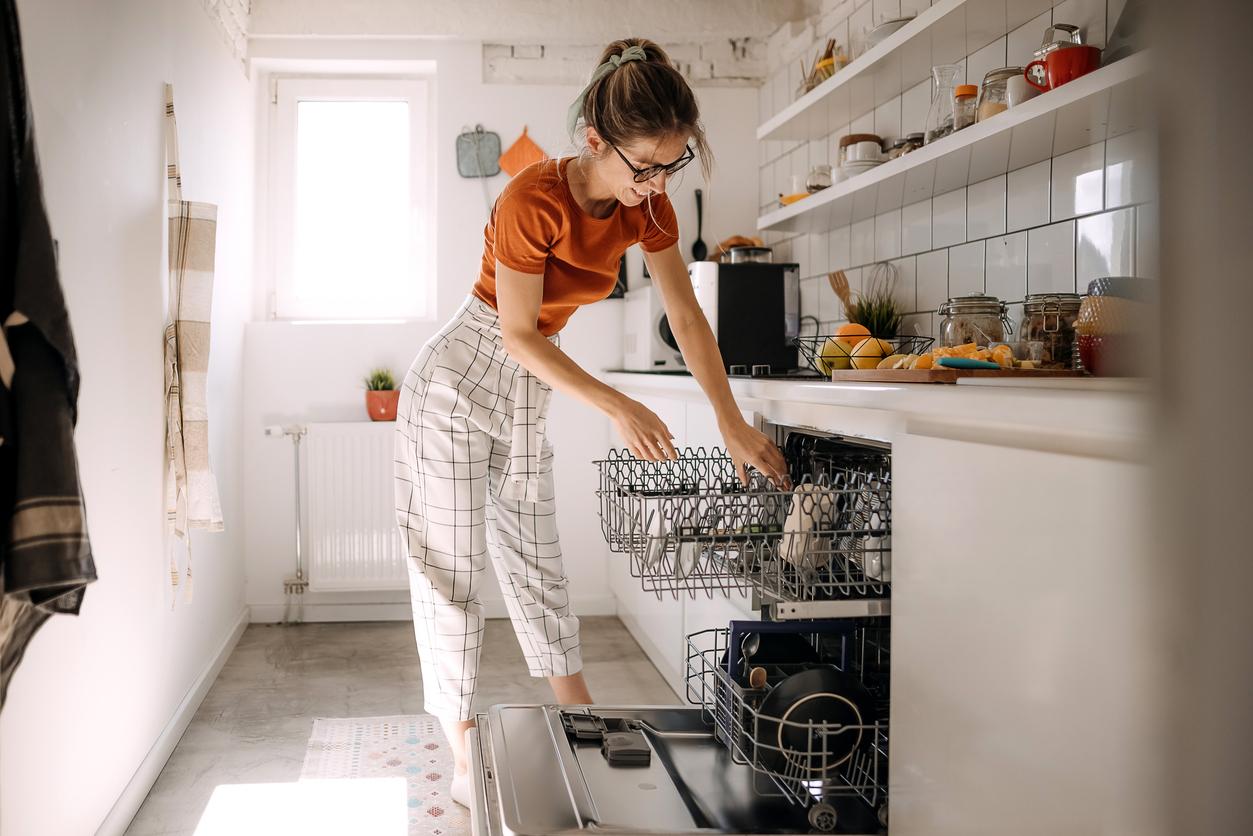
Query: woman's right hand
x=645, y=435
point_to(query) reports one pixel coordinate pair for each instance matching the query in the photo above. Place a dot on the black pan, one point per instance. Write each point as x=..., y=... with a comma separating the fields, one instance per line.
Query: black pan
x=821, y=695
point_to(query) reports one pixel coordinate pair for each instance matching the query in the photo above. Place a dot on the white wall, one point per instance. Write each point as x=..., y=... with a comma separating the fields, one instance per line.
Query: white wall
x=96, y=691
x=312, y=372
x=1050, y=227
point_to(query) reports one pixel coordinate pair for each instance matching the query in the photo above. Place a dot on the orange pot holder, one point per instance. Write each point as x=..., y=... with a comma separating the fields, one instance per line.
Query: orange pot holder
x=522, y=153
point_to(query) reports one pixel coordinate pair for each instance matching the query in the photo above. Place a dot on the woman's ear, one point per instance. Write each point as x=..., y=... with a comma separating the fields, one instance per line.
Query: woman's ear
x=595, y=143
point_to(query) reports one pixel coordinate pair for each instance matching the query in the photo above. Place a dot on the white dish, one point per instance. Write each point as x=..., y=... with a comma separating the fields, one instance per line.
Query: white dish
x=655, y=542
x=876, y=35
x=811, y=507
x=853, y=169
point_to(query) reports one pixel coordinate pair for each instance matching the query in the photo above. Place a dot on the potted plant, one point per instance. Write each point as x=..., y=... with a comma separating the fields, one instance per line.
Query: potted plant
x=876, y=307
x=381, y=395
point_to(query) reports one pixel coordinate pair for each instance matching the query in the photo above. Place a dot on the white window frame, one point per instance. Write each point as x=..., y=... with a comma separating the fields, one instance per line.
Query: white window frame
x=288, y=92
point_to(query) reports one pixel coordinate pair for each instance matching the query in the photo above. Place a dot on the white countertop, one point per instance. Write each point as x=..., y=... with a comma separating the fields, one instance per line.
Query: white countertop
x=1101, y=416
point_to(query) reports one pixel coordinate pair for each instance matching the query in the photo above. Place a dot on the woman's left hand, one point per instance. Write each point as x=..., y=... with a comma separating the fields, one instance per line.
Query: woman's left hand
x=748, y=446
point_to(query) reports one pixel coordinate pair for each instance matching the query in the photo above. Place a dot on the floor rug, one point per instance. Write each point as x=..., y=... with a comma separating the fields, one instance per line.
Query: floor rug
x=411, y=747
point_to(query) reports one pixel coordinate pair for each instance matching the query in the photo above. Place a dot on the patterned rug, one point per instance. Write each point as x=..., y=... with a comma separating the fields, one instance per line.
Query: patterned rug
x=411, y=747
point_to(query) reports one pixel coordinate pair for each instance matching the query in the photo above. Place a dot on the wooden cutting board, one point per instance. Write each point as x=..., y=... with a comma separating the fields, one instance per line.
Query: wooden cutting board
x=942, y=375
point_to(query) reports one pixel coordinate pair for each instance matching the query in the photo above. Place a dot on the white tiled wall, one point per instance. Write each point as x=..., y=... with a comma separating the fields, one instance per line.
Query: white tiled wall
x=1050, y=226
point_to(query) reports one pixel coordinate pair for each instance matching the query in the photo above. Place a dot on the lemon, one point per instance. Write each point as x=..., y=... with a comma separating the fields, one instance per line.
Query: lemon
x=868, y=352
x=834, y=355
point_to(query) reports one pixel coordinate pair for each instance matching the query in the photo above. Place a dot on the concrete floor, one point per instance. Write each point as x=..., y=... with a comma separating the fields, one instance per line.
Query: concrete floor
x=255, y=722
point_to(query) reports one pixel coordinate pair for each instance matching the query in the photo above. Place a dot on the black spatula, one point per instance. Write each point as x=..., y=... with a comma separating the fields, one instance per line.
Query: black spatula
x=699, y=250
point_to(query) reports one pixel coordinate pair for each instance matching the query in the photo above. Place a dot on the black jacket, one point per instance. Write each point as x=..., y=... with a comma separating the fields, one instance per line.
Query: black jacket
x=45, y=554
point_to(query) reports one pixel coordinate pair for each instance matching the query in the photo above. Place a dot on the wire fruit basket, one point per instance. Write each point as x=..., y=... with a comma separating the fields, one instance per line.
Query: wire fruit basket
x=689, y=525
x=826, y=352
x=807, y=761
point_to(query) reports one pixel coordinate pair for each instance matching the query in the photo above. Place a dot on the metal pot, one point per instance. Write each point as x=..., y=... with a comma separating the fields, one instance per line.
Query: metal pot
x=743, y=255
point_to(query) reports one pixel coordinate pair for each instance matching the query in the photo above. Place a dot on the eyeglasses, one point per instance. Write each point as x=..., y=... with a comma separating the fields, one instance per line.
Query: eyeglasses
x=643, y=175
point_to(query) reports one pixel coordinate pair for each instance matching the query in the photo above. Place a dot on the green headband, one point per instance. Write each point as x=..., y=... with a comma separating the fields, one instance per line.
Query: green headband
x=631, y=53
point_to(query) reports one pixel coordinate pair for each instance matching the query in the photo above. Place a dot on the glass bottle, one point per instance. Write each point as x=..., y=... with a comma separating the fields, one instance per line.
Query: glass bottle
x=940, y=114
x=964, y=106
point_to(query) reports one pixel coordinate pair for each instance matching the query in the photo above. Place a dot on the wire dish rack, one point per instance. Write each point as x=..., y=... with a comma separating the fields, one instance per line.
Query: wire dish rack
x=811, y=349
x=808, y=762
x=689, y=525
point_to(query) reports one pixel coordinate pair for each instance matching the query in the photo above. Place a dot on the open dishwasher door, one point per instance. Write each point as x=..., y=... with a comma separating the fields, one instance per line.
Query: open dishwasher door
x=534, y=775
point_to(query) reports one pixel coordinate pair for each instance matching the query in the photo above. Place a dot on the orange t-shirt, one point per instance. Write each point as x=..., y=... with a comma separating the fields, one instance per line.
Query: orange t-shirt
x=536, y=227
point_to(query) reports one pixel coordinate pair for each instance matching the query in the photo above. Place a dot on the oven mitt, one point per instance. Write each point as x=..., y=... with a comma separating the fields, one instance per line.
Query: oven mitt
x=626, y=748
x=522, y=153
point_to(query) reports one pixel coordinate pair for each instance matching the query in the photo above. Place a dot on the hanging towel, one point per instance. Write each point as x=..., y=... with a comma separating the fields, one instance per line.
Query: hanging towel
x=45, y=555
x=191, y=489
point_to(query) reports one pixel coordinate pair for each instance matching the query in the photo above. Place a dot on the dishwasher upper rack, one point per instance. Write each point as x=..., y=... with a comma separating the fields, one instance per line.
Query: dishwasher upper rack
x=731, y=708
x=689, y=525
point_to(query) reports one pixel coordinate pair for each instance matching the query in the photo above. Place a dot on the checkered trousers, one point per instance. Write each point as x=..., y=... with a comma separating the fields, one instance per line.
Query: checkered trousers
x=473, y=478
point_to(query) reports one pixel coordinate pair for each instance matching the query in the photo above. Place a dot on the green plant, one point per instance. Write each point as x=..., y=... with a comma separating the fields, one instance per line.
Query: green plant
x=876, y=308
x=380, y=379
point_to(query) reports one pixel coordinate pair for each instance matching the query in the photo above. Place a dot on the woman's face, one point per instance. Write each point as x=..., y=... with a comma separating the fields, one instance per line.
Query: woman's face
x=618, y=174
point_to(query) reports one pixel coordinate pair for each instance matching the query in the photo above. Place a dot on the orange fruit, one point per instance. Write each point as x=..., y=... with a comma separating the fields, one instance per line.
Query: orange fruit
x=850, y=334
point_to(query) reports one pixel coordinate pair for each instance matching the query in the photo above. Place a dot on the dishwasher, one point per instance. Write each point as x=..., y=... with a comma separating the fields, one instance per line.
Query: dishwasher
x=787, y=729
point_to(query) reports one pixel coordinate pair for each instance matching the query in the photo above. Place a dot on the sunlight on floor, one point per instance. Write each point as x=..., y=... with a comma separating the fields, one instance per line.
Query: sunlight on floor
x=331, y=807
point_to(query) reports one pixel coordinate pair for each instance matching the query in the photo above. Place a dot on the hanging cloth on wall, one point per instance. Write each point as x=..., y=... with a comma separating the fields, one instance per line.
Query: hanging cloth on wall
x=191, y=491
x=522, y=153
x=45, y=560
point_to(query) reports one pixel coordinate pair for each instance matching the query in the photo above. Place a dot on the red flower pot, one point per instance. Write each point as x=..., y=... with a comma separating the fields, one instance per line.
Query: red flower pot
x=381, y=403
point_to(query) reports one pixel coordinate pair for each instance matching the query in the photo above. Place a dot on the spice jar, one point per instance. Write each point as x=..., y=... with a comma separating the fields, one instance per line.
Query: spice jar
x=914, y=141
x=1050, y=318
x=898, y=147
x=994, y=95
x=973, y=319
x=964, y=106
x=819, y=178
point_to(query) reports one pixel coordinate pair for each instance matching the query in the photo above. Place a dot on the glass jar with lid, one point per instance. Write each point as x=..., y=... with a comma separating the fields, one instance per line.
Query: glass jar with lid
x=1049, y=318
x=964, y=106
x=974, y=319
x=994, y=93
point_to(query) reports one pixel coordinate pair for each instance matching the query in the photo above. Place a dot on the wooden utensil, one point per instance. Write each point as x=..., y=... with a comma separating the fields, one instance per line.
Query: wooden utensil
x=944, y=375
x=839, y=284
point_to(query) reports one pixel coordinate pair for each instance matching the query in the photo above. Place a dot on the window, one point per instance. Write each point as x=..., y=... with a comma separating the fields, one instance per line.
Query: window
x=352, y=209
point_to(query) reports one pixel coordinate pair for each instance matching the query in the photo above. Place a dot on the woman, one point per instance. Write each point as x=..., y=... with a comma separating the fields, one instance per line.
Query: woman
x=473, y=468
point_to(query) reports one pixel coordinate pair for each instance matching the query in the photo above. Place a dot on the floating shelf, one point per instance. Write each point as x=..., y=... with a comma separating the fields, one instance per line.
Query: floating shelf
x=944, y=33
x=1106, y=103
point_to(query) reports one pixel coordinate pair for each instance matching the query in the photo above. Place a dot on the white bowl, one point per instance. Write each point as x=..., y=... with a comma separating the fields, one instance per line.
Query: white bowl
x=866, y=151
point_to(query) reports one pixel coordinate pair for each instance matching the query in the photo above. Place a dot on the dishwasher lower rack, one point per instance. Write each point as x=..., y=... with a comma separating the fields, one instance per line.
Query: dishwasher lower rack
x=689, y=525
x=801, y=770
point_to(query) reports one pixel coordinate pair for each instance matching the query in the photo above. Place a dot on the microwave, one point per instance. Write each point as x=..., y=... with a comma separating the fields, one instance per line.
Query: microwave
x=753, y=309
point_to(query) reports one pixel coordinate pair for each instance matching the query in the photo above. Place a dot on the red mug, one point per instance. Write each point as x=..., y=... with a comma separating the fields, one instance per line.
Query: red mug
x=1063, y=65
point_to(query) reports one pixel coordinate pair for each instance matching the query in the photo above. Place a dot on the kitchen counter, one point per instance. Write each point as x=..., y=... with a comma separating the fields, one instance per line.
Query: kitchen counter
x=1098, y=417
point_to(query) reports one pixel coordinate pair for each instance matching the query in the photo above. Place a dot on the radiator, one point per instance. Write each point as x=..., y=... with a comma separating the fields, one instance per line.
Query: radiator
x=350, y=531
